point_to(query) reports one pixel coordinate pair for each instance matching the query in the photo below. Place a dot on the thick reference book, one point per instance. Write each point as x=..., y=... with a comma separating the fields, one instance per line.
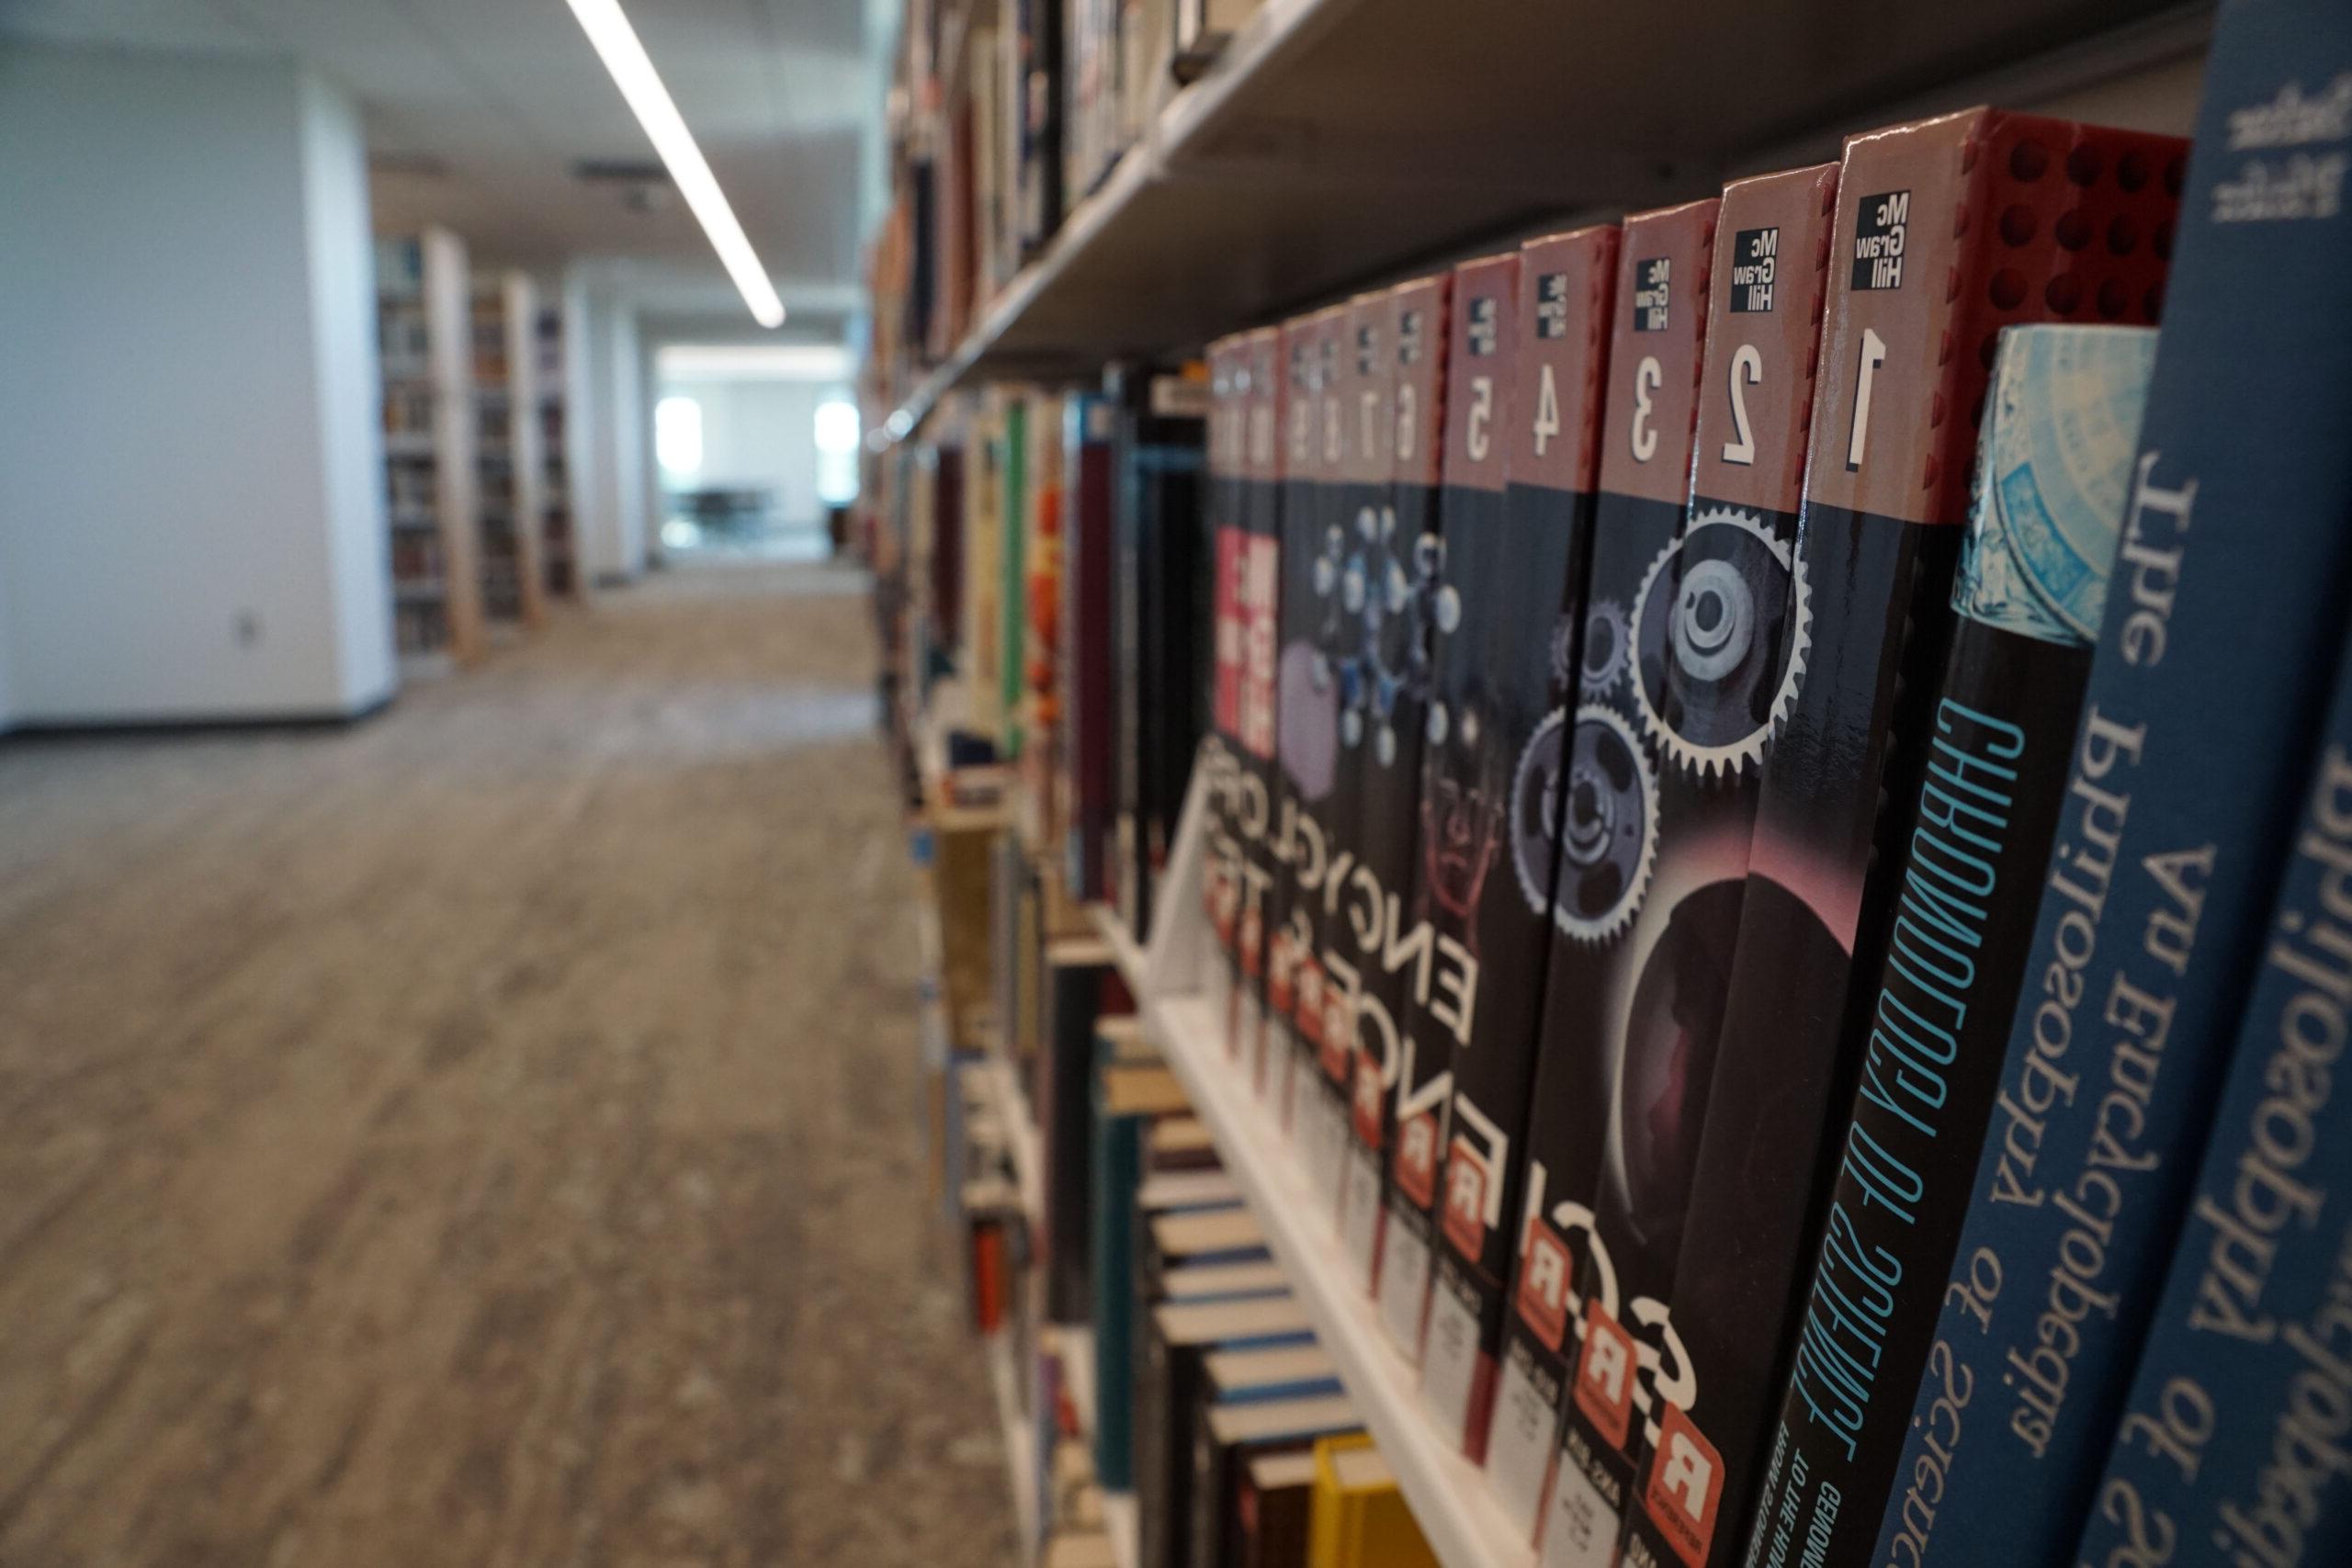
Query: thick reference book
x=1220, y=750
x=1599, y=772
x=2052, y=471
x=1306, y=739
x=1353, y=450
x=1948, y=229
x=2221, y=633
x=1455, y=836
x=1398, y=1077
x=1373, y=945
x=2233, y=1436
x=1771, y=286
x=1254, y=794
x=1362, y=574
x=1517, y=537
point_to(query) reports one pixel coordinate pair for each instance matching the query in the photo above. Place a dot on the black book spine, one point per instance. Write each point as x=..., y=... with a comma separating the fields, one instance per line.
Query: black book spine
x=1506, y=576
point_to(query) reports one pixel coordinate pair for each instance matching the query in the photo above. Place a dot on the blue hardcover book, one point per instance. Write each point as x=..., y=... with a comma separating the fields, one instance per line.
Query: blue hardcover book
x=2223, y=620
x=2234, y=1437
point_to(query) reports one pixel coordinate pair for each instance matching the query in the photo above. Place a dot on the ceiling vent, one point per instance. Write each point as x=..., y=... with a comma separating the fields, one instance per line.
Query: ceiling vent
x=414, y=166
x=641, y=186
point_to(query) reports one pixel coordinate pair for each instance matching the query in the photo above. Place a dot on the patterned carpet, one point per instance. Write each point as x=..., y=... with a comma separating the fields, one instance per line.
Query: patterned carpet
x=487, y=1135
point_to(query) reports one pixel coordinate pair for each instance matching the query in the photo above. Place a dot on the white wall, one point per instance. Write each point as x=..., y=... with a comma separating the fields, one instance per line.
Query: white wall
x=190, y=515
x=759, y=434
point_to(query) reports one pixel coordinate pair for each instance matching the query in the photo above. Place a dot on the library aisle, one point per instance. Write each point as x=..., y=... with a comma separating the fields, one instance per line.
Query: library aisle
x=487, y=1135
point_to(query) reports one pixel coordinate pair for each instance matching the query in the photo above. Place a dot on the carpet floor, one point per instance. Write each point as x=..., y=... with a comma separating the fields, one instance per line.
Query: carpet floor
x=488, y=1135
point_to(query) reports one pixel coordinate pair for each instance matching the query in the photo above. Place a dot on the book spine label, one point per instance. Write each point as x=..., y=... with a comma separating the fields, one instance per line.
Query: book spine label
x=2238, y=1430
x=1517, y=586
x=2187, y=768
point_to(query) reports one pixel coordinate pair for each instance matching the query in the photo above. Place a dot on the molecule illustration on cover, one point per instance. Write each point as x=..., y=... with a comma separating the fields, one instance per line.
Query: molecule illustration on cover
x=1380, y=611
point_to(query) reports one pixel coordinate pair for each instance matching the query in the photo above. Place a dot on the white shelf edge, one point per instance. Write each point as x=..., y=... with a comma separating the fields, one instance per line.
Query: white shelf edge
x=1020, y=1452
x=1126, y=953
x=1448, y=1496
x=1021, y=1137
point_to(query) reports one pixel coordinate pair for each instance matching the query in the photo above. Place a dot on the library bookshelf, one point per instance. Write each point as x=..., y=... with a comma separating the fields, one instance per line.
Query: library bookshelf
x=424, y=339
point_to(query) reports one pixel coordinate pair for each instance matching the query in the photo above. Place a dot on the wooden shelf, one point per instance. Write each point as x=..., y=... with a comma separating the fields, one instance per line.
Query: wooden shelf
x=1340, y=143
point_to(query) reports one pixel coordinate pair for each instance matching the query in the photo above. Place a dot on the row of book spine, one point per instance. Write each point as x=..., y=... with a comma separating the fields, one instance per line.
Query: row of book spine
x=1068, y=584
x=1014, y=113
x=1742, y=838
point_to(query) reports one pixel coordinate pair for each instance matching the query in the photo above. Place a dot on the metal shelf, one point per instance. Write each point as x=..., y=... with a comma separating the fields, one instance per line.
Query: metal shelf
x=1340, y=143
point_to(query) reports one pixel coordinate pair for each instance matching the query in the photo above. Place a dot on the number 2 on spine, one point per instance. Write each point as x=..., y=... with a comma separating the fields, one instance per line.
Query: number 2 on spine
x=1475, y=433
x=1873, y=356
x=1746, y=371
x=1647, y=378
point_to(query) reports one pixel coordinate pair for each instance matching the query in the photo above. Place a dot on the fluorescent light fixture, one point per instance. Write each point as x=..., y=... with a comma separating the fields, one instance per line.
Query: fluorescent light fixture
x=633, y=73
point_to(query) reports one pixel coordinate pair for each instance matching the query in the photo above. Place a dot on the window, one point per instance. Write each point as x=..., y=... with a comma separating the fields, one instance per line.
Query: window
x=677, y=436
x=837, y=439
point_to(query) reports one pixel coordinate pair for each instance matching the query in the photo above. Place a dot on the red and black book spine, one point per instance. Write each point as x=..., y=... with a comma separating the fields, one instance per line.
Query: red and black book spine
x=1404, y=1086
x=1219, y=746
x=1596, y=768
x=1303, y=737
x=1255, y=794
x=1317, y=771
x=1710, y=636
x=1352, y=574
x=1517, y=541
x=1946, y=230
x=1457, y=838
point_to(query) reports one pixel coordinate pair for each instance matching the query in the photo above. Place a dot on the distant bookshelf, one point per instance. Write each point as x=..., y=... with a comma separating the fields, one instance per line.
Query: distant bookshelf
x=423, y=343
x=505, y=332
x=556, y=542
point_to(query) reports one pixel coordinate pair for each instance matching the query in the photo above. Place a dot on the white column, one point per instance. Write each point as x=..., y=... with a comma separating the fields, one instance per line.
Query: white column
x=191, y=503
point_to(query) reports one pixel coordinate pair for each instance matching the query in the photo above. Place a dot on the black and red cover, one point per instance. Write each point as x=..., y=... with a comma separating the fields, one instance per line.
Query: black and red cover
x=1521, y=430
x=1948, y=230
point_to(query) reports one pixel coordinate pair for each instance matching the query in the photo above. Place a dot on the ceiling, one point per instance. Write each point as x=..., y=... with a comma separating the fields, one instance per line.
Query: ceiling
x=478, y=111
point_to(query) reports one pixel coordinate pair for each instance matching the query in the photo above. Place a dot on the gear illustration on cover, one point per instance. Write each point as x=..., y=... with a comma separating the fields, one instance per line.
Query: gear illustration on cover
x=1721, y=630
x=1607, y=809
x=1376, y=617
x=1534, y=807
x=1607, y=635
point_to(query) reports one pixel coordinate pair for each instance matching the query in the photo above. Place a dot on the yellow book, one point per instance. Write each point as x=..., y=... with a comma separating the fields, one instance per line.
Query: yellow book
x=1359, y=1520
